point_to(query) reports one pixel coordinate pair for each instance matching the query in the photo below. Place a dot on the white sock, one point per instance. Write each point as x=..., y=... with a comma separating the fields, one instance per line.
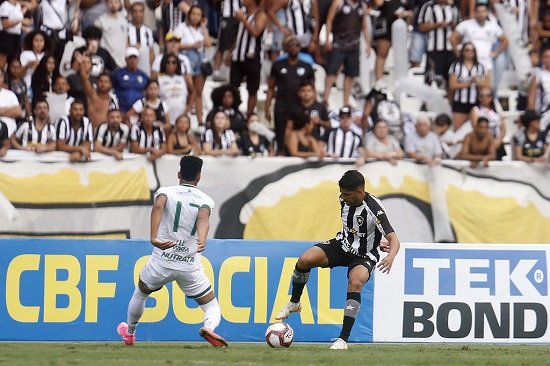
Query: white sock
x=136, y=307
x=212, y=314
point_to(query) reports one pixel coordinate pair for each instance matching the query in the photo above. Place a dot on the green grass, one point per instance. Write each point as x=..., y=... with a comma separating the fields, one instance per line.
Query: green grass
x=149, y=353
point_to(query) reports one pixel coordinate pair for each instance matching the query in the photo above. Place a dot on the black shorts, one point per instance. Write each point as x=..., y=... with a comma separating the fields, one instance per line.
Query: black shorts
x=464, y=108
x=227, y=33
x=249, y=69
x=337, y=257
x=350, y=59
x=10, y=44
x=442, y=61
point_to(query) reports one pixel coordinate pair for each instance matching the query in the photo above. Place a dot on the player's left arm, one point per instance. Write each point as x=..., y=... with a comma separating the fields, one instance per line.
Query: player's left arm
x=156, y=216
x=385, y=264
x=203, y=225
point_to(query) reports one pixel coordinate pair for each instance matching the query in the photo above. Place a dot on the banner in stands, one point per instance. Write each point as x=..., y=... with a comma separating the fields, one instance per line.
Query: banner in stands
x=69, y=290
x=275, y=198
x=452, y=293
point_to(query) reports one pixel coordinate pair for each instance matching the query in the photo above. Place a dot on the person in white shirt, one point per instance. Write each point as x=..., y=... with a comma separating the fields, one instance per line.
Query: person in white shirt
x=9, y=107
x=423, y=145
x=11, y=16
x=115, y=32
x=179, y=228
x=483, y=34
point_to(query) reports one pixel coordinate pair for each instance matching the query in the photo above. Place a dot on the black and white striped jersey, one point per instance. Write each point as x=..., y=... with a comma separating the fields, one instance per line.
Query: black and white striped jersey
x=463, y=74
x=363, y=226
x=230, y=7
x=143, y=35
x=248, y=47
x=298, y=16
x=343, y=143
x=110, y=138
x=27, y=134
x=433, y=13
x=74, y=137
x=154, y=140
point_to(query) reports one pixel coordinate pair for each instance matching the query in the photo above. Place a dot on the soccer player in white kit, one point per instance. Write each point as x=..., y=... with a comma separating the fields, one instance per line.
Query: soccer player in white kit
x=179, y=226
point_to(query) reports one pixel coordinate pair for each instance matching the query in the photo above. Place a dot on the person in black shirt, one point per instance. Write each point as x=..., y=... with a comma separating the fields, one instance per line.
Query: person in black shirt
x=252, y=143
x=226, y=98
x=102, y=61
x=316, y=112
x=4, y=140
x=287, y=75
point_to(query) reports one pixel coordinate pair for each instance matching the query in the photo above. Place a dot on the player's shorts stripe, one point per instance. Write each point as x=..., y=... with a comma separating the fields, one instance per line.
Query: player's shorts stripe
x=201, y=294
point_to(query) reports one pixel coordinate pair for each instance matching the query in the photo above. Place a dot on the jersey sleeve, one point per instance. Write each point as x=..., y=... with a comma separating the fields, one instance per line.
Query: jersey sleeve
x=379, y=212
x=208, y=203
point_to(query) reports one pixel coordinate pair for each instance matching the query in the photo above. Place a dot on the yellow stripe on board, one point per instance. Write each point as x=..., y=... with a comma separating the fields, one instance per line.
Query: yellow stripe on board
x=66, y=187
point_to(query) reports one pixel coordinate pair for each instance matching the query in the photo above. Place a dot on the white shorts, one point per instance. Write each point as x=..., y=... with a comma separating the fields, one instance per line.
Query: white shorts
x=194, y=284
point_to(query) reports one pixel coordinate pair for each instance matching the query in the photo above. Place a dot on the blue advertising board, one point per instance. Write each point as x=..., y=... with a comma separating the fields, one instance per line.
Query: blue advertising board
x=78, y=290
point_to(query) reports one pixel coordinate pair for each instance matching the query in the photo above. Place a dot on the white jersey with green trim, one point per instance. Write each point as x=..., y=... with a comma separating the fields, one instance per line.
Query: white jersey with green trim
x=178, y=224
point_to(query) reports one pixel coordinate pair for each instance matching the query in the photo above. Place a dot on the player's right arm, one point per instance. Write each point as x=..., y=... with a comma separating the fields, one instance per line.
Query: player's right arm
x=203, y=225
x=156, y=216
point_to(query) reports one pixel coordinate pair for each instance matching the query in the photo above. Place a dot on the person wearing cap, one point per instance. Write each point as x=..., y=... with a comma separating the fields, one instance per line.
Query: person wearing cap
x=115, y=31
x=342, y=141
x=530, y=143
x=171, y=47
x=286, y=75
x=129, y=81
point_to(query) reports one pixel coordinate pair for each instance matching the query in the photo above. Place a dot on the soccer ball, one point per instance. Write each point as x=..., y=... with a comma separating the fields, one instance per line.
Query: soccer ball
x=279, y=335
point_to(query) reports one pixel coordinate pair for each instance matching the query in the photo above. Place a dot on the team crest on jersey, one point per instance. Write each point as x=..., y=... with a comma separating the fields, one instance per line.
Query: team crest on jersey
x=346, y=9
x=360, y=11
x=284, y=70
x=300, y=71
x=360, y=220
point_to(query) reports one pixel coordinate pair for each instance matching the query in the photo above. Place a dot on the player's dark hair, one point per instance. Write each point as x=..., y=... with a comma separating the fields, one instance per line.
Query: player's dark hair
x=352, y=180
x=190, y=167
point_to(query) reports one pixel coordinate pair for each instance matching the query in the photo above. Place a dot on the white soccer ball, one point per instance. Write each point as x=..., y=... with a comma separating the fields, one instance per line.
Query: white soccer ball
x=279, y=335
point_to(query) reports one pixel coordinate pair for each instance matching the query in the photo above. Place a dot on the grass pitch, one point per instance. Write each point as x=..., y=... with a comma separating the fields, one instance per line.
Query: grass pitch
x=165, y=353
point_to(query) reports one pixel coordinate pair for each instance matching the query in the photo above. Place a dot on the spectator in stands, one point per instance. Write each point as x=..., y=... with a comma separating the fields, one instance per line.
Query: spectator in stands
x=300, y=141
x=151, y=100
x=146, y=138
x=417, y=48
x=220, y=139
x=438, y=18
x=54, y=24
x=114, y=26
x=129, y=81
x=194, y=38
x=227, y=34
x=91, y=10
x=37, y=134
x=245, y=55
x=466, y=75
x=35, y=46
x=442, y=127
x=479, y=145
x=101, y=59
x=317, y=112
x=486, y=108
x=76, y=88
x=171, y=45
x=4, y=139
x=173, y=87
x=9, y=107
x=181, y=141
x=59, y=100
x=111, y=137
x=11, y=15
x=342, y=141
x=226, y=98
x=140, y=36
x=543, y=31
x=530, y=143
x=483, y=34
x=381, y=145
x=524, y=85
x=252, y=142
x=16, y=84
x=380, y=105
x=43, y=77
x=286, y=76
x=390, y=11
x=423, y=145
x=74, y=133
x=538, y=97
x=100, y=98
x=345, y=20
x=173, y=13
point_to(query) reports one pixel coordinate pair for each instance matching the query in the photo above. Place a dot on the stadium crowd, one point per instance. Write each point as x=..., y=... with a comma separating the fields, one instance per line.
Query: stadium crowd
x=114, y=77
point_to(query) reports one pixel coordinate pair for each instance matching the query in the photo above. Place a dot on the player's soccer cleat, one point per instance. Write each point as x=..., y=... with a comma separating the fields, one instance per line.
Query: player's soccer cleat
x=339, y=343
x=129, y=340
x=213, y=338
x=290, y=307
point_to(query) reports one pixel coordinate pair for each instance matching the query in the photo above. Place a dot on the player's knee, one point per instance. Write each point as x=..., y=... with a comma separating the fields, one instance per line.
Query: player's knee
x=355, y=284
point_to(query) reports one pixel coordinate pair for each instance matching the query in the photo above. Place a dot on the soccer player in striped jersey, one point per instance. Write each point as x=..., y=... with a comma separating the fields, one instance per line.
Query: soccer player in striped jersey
x=179, y=227
x=357, y=246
